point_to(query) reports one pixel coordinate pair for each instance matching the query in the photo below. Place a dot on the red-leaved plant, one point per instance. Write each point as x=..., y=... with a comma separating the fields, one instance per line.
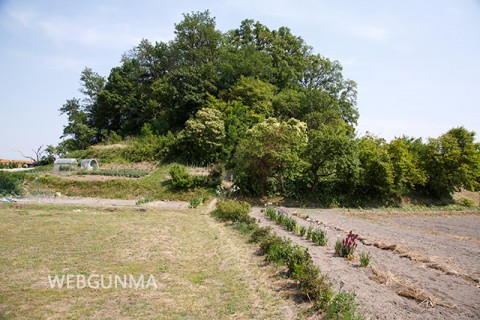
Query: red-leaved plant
x=347, y=246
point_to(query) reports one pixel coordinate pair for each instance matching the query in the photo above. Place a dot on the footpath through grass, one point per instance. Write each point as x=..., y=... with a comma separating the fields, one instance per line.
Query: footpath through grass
x=203, y=270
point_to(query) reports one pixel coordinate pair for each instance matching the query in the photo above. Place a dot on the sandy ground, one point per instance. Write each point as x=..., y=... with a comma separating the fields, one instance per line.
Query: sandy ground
x=436, y=257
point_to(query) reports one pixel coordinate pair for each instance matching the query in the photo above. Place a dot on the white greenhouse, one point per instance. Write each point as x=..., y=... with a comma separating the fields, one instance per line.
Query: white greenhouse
x=65, y=165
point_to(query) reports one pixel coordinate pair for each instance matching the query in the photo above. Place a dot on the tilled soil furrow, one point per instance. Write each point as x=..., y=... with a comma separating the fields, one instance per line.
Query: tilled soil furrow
x=409, y=290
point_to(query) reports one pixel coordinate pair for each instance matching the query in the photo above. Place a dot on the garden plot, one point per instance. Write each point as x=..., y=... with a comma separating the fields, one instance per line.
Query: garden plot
x=421, y=267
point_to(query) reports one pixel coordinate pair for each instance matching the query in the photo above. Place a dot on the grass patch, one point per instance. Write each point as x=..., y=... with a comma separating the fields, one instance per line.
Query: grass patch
x=202, y=270
x=156, y=185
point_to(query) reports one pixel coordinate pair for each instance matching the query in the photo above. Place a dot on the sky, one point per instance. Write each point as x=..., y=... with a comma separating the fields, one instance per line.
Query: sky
x=416, y=63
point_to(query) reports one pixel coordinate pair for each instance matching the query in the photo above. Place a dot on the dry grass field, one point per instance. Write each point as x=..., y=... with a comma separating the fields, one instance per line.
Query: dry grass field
x=203, y=270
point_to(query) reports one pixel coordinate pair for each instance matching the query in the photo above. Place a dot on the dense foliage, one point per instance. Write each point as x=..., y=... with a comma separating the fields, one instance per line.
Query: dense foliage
x=10, y=183
x=263, y=103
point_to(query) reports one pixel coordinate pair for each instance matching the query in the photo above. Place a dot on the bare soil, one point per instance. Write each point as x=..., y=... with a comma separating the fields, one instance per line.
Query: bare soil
x=98, y=202
x=424, y=266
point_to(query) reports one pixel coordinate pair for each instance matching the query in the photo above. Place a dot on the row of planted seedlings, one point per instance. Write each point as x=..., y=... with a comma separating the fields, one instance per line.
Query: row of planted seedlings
x=297, y=260
x=316, y=235
x=344, y=248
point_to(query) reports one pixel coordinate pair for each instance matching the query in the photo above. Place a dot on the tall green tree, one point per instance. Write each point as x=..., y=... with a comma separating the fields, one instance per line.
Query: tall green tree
x=269, y=159
x=203, y=137
x=452, y=162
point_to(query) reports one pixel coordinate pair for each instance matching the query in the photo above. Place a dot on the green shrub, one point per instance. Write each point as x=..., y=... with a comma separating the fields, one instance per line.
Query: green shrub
x=312, y=284
x=344, y=307
x=215, y=176
x=279, y=252
x=180, y=177
x=11, y=183
x=319, y=237
x=260, y=233
x=268, y=241
x=297, y=255
x=231, y=210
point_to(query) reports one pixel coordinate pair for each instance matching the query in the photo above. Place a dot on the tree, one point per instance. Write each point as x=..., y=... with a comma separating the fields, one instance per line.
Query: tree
x=203, y=137
x=80, y=135
x=406, y=162
x=269, y=158
x=332, y=156
x=376, y=171
x=452, y=162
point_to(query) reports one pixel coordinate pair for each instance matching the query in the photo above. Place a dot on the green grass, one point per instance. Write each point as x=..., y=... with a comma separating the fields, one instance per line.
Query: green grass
x=203, y=270
x=156, y=185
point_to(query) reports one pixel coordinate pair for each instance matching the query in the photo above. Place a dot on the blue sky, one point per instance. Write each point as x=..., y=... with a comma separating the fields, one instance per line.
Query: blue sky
x=416, y=63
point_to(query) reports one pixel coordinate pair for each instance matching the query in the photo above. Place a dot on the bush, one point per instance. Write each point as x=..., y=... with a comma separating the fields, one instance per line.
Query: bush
x=260, y=234
x=268, y=241
x=235, y=211
x=279, y=252
x=215, y=176
x=343, y=306
x=10, y=183
x=312, y=284
x=180, y=177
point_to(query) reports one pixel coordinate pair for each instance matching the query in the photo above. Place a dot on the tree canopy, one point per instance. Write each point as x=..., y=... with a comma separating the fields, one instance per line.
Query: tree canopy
x=264, y=103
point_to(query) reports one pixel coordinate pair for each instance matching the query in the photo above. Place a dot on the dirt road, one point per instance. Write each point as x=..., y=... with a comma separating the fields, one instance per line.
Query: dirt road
x=425, y=266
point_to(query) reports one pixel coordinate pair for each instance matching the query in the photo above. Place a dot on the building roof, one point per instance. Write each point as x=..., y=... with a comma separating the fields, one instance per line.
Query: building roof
x=16, y=161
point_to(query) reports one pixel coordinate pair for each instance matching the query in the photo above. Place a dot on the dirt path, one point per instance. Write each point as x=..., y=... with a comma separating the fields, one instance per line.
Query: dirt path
x=81, y=201
x=440, y=267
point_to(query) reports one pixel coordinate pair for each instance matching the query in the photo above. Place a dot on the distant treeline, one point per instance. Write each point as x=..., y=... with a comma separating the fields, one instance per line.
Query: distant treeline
x=263, y=103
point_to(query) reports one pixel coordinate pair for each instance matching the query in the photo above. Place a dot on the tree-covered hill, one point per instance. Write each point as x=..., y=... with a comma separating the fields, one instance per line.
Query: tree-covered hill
x=262, y=102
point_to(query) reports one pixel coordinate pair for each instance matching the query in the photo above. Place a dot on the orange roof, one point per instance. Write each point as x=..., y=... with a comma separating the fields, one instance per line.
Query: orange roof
x=16, y=161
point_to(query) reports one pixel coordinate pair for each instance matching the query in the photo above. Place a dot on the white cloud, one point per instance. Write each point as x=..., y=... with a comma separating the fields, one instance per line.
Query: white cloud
x=96, y=30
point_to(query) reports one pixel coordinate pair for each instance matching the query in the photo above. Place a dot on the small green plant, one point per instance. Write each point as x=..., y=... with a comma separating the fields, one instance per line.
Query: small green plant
x=271, y=213
x=297, y=229
x=319, y=237
x=364, y=259
x=144, y=200
x=290, y=223
x=303, y=231
x=195, y=202
x=309, y=232
x=343, y=306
